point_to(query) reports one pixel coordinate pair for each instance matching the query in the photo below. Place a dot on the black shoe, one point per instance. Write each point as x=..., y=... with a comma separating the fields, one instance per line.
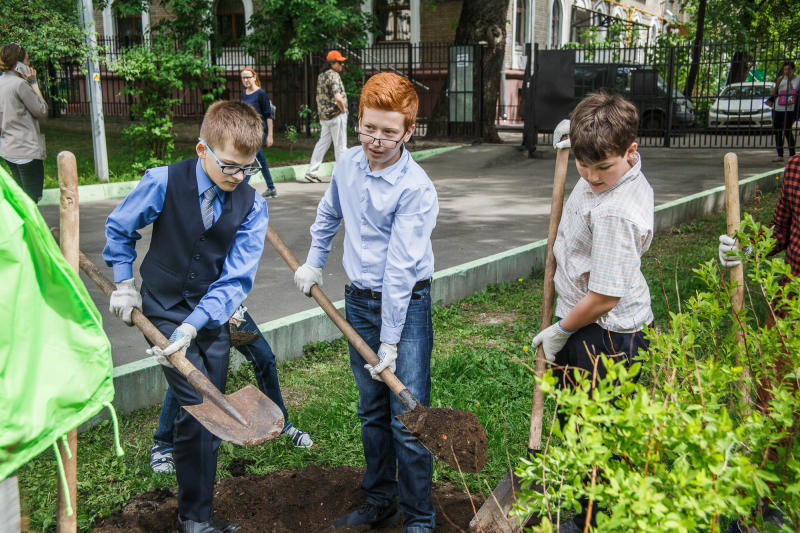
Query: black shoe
x=374, y=515
x=215, y=525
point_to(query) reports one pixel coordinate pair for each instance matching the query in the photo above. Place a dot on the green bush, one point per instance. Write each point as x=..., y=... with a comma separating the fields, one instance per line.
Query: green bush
x=685, y=449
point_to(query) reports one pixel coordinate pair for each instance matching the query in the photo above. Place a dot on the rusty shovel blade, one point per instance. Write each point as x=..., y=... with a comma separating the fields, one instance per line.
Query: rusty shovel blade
x=265, y=419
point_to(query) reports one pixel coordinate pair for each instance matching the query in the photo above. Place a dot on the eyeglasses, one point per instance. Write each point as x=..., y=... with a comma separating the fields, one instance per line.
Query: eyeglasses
x=230, y=170
x=363, y=138
x=247, y=77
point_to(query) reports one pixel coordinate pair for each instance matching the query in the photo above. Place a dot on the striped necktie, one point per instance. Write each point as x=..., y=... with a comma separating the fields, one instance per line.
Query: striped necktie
x=207, y=207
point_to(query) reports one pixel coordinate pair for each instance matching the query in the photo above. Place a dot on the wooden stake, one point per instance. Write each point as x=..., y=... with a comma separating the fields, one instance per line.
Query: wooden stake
x=69, y=226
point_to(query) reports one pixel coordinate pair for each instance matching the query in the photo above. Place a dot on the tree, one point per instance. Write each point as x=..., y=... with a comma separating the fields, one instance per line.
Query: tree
x=481, y=21
x=47, y=30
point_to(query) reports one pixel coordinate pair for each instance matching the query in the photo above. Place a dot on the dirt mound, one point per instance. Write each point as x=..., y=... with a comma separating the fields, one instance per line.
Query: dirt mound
x=305, y=500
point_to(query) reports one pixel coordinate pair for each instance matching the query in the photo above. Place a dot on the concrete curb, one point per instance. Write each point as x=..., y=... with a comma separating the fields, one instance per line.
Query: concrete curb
x=121, y=189
x=141, y=384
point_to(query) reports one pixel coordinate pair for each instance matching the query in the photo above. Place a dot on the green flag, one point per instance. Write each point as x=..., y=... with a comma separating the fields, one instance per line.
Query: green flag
x=55, y=359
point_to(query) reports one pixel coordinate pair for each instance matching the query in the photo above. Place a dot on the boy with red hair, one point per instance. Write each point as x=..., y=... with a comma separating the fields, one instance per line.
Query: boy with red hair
x=389, y=207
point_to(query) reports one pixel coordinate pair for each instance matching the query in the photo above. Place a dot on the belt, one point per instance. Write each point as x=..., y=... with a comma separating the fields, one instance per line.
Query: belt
x=375, y=295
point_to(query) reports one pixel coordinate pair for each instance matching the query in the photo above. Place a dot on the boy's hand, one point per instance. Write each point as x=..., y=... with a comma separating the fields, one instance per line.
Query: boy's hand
x=552, y=340
x=179, y=340
x=561, y=131
x=387, y=354
x=124, y=299
x=728, y=244
x=306, y=277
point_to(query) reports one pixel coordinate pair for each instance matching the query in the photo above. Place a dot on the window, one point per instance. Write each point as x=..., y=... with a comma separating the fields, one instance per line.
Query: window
x=394, y=20
x=555, y=26
x=521, y=34
x=129, y=29
x=230, y=22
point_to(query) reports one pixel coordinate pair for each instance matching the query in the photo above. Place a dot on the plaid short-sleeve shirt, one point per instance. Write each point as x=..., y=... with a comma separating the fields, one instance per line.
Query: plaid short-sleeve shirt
x=600, y=242
x=786, y=219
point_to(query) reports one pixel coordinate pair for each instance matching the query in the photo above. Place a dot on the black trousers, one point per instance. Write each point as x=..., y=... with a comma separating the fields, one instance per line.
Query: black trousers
x=782, y=122
x=195, y=448
x=582, y=351
x=29, y=176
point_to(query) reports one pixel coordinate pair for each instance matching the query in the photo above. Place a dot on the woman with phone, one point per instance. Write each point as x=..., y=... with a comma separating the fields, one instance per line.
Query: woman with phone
x=784, y=111
x=21, y=107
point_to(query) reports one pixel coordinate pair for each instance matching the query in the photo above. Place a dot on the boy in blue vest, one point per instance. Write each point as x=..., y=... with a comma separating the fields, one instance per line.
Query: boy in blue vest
x=389, y=208
x=208, y=235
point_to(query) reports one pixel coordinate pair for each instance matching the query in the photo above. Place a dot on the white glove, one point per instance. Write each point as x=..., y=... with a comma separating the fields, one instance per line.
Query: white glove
x=728, y=244
x=552, y=340
x=179, y=340
x=561, y=130
x=306, y=276
x=124, y=299
x=238, y=316
x=158, y=353
x=388, y=359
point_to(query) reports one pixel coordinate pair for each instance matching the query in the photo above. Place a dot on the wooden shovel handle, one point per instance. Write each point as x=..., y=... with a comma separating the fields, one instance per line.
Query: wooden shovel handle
x=548, y=293
x=195, y=378
x=388, y=377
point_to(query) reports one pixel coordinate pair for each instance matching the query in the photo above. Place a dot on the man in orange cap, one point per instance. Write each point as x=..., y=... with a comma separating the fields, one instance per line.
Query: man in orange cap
x=332, y=111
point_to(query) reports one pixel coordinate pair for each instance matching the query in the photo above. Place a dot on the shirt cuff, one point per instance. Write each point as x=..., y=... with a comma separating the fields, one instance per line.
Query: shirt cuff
x=122, y=271
x=391, y=334
x=198, y=319
x=316, y=258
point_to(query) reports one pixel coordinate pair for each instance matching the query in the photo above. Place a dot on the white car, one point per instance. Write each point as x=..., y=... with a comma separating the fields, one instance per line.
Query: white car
x=742, y=105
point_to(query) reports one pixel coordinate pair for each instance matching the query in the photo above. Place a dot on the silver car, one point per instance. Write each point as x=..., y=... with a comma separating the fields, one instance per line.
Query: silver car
x=742, y=105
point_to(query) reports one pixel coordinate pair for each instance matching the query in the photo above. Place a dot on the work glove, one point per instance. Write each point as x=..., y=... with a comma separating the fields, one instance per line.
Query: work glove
x=179, y=340
x=561, y=130
x=124, y=299
x=388, y=359
x=238, y=316
x=306, y=276
x=552, y=340
x=728, y=244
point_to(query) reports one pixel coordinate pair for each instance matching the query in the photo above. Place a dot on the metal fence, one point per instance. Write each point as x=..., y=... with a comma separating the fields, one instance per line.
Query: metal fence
x=726, y=106
x=447, y=79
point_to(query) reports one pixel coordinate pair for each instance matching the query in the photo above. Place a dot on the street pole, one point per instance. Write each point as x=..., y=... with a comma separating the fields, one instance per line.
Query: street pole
x=94, y=91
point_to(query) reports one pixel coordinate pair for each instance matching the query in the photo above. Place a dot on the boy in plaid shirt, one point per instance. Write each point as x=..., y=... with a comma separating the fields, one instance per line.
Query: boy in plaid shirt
x=603, y=299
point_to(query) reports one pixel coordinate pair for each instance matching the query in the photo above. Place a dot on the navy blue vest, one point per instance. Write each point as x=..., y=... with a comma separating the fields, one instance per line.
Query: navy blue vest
x=184, y=258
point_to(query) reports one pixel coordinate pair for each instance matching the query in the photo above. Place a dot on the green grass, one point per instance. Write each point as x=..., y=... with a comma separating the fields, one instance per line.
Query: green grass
x=472, y=368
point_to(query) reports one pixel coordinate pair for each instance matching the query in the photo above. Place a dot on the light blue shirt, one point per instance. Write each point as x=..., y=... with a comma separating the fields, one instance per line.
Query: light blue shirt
x=143, y=206
x=388, y=215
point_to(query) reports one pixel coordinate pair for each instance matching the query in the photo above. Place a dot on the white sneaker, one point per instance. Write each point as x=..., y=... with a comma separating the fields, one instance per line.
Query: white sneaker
x=161, y=460
x=311, y=178
x=300, y=438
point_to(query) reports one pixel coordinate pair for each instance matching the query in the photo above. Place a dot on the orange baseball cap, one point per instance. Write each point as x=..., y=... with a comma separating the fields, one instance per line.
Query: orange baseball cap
x=334, y=55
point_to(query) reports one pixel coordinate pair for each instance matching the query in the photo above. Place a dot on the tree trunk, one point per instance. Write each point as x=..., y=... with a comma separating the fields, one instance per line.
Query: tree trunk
x=691, y=78
x=481, y=21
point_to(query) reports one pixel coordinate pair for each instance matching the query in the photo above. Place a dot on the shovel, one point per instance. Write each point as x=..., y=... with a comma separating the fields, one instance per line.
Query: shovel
x=245, y=417
x=492, y=517
x=456, y=437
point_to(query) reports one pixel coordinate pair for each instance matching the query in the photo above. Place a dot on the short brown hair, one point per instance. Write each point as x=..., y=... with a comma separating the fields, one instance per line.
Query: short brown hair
x=390, y=92
x=10, y=54
x=234, y=121
x=602, y=125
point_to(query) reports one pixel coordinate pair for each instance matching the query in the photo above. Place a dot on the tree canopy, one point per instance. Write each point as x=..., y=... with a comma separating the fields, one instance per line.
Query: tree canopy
x=47, y=30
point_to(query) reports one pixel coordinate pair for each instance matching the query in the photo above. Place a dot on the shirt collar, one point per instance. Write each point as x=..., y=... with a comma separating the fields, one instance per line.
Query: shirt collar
x=390, y=174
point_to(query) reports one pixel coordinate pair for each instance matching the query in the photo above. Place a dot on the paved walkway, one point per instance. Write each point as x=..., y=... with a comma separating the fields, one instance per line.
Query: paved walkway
x=491, y=199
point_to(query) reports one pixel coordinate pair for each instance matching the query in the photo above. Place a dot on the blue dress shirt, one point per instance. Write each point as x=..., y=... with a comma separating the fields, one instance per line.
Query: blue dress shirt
x=389, y=216
x=144, y=204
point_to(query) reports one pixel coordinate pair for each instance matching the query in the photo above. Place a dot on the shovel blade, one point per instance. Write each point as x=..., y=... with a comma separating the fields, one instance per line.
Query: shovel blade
x=264, y=418
x=494, y=515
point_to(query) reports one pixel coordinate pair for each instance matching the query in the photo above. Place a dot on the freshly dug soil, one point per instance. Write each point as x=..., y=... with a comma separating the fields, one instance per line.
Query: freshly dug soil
x=287, y=501
x=454, y=436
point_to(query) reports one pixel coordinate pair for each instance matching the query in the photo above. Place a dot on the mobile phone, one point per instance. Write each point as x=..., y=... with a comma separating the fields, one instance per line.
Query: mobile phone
x=22, y=68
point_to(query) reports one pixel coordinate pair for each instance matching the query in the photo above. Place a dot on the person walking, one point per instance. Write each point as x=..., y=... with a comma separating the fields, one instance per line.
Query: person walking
x=21, y=107
x=784, y=112
x=332, y=111
x=257, y=97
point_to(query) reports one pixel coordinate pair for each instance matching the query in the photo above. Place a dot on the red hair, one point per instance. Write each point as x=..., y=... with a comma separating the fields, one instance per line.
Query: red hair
x=390, y=92
x=255, y=75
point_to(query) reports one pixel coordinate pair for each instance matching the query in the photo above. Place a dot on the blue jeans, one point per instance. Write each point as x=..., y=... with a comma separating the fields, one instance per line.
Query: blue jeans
x=263, y=359
x=263, y=162
x=397, y=464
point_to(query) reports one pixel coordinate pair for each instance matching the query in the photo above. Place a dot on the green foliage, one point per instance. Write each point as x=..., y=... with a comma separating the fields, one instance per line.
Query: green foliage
x=291, y=136
x=47, y=30
x=688, y=449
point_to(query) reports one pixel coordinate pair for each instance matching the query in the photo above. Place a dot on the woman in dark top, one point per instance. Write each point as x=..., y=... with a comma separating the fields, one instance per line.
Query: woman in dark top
x=257, y=97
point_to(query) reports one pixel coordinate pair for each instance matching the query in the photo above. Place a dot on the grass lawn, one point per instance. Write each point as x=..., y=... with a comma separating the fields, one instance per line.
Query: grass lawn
x=475, y=340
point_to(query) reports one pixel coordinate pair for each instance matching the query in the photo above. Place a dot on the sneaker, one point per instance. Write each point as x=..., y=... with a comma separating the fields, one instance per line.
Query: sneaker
x=270, y=193
x=376, y=516
x=214, y=525
x=778, y=159
x=569, y=527
x=311, y=178
x=161, y=459
x=300, y=438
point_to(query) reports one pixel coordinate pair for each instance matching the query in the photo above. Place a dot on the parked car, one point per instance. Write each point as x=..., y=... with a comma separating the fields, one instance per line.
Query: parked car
x=742, y=105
